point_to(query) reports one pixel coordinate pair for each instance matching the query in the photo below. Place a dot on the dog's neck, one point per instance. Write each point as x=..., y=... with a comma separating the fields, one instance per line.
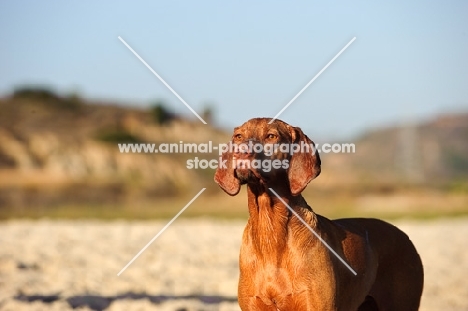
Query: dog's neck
x=270, y=220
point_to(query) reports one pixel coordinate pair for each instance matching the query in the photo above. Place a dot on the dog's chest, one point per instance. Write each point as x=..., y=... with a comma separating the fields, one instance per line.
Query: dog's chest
x=283, y=280
x=276, y=286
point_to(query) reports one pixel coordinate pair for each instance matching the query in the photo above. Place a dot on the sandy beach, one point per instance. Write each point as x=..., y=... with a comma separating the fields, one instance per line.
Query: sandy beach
x=193, y=265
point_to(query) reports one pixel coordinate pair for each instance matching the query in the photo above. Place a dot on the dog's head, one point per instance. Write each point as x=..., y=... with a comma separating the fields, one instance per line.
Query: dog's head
x=260, y=153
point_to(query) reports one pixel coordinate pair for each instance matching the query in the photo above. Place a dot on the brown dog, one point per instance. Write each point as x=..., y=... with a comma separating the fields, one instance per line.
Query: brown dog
x=283, y=265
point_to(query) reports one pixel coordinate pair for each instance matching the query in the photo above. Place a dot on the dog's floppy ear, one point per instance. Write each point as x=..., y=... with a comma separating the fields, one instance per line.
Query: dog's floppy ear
x=224, y=175
x=304, y=165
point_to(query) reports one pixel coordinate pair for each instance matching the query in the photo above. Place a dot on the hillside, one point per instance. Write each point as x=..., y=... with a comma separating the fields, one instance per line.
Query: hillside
x=433, y=152
x=57, y=151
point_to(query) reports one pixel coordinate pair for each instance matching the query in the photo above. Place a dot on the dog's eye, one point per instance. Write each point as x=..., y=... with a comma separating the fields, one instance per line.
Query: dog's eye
x=271, y=136
x=238, y=136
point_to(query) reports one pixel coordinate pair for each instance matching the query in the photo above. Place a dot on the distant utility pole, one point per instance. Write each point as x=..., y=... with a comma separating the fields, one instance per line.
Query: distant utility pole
x=409, y=157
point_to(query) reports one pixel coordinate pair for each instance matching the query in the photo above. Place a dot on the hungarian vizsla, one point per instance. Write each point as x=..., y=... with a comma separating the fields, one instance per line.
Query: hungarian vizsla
x=283, y=265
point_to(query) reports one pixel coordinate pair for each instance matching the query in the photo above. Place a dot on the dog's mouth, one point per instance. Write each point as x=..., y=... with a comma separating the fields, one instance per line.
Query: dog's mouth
x=244, y=175
x=244, y=169
x=251, y=170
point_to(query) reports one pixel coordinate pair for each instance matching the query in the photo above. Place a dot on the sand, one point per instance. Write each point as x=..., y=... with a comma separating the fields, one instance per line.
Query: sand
x=193, y=265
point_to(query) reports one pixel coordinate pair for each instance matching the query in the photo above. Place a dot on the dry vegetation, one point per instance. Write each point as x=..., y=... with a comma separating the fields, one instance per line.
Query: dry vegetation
x=59, y=158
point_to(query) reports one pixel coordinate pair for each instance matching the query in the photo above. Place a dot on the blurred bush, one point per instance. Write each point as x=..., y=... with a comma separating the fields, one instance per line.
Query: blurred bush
x=117, y=136
x=160, y=114
x=45, y=95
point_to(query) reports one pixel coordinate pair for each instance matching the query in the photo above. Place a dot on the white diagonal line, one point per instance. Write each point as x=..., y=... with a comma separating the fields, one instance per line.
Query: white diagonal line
x=315, y=233
x=160, y=232
x=313, y=79
x=161, y=79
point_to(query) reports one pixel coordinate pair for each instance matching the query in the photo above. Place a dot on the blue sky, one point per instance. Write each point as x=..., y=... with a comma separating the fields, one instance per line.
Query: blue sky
x=249, y=59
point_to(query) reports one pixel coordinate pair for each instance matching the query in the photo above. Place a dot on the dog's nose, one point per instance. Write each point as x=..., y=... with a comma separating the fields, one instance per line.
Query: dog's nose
x=245, y=149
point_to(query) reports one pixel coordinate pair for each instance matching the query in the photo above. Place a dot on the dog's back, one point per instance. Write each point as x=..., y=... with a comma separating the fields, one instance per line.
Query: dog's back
x=399, y=277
